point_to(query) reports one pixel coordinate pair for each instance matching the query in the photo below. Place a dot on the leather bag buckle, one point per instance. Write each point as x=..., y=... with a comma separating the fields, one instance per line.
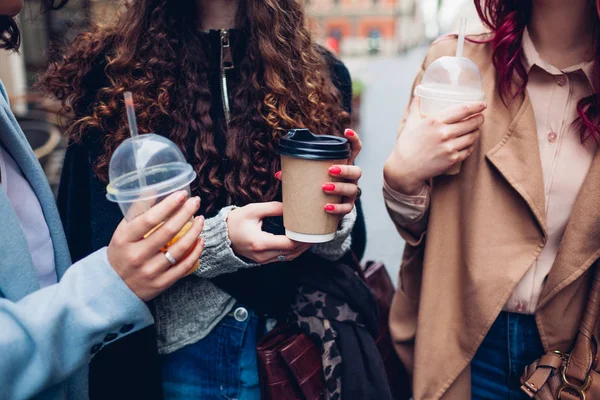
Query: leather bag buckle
x=578, y=390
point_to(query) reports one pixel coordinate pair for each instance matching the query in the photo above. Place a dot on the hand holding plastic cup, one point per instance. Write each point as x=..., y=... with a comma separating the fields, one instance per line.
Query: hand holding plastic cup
x=144, y=170
x=450, y=81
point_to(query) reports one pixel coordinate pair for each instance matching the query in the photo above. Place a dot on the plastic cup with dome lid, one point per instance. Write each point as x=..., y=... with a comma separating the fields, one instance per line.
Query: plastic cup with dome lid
x=144, y=170
x=450, y=81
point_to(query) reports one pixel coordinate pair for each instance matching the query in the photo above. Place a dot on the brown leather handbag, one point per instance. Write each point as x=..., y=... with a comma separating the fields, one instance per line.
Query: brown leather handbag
x=570, y=376
x=290, y=365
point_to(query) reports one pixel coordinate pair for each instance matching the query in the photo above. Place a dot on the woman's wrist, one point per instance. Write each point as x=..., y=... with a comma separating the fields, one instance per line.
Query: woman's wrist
x=400, y=179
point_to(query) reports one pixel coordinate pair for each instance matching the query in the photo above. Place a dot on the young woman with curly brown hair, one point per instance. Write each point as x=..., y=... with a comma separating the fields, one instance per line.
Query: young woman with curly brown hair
x=55, y=315
x=224, y=80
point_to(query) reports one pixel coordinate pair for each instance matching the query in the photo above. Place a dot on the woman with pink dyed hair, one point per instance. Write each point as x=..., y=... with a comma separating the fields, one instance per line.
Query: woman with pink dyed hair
x=500, y=258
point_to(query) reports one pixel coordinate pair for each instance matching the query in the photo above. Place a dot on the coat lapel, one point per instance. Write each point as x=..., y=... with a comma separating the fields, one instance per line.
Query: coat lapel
x=17, y=274
x=580, y=245
x=15, y=142
x=517, y=156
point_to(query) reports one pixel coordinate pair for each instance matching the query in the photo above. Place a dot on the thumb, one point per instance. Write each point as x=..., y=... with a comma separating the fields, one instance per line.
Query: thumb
x=263, y=210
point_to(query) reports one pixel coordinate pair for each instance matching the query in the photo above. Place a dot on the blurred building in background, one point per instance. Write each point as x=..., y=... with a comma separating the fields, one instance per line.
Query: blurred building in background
x=360, y=27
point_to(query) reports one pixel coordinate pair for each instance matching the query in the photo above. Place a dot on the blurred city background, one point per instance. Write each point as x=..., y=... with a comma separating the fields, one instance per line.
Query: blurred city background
x=382, y=42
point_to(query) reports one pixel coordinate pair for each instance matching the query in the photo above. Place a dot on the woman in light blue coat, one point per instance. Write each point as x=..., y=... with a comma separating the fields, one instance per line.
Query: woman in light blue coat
x=54, y=316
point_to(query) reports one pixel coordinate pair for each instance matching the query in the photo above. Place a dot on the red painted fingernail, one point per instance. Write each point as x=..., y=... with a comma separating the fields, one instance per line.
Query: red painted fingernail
x=349, y=132
x=335, y=170
x=278, y=174
x=329, y=207
x=329, y=187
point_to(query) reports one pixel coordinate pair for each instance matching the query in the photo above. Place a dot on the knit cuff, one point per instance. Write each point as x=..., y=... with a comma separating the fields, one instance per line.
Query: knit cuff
x=218, y=258
x=335, y=249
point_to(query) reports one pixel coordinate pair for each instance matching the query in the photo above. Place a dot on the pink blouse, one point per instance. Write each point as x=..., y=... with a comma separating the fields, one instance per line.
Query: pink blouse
x=565, y=161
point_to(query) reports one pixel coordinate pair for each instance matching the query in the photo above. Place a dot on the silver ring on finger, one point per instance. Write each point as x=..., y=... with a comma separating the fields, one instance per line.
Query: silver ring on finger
x=170, y=258
x=281, y=257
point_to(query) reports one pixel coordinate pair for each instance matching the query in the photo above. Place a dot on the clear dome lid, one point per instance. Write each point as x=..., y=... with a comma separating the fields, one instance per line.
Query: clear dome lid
x=453, y=79
x=146, y=167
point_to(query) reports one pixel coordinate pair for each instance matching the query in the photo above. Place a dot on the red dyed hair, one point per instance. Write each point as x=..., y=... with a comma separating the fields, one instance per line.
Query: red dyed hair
x=507, y=19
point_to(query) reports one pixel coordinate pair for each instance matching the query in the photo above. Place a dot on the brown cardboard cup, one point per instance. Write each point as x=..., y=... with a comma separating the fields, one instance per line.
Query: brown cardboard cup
x=305, y=162
x=304, y=200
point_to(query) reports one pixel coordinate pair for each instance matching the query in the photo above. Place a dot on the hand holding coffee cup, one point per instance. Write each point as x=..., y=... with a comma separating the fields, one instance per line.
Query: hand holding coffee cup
x=312, y=211
x=349, y=173
x=428, y=146
x=249, y=241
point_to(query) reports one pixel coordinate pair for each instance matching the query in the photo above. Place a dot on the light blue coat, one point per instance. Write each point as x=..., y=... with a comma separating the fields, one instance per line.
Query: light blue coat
x=48, y=336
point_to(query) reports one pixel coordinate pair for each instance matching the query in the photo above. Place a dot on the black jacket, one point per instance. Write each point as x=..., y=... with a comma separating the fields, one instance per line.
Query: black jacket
x=129, y=368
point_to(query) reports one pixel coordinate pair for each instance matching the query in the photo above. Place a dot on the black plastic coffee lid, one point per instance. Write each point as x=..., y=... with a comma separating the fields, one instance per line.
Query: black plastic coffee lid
x=301, y=143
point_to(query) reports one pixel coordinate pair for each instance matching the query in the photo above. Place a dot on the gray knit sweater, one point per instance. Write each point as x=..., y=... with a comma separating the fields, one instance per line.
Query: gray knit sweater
x=189, y=310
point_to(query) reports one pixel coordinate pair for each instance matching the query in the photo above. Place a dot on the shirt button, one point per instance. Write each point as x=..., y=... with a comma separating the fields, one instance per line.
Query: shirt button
x=561, y=80
x=126, y=328
x=240, y=314
x=110, y=337
x=552, y=136
x=520, y=307
x=96, y=348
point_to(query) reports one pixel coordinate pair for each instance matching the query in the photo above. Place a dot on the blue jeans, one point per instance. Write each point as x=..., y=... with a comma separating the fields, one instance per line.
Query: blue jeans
x=512, y=343
x=222, y=366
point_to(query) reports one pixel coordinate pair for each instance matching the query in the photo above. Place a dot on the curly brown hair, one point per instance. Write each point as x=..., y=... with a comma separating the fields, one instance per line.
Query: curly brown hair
x=285, y=83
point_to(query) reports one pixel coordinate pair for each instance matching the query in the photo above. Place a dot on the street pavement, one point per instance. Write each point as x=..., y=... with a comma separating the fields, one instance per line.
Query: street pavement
x=388, y=83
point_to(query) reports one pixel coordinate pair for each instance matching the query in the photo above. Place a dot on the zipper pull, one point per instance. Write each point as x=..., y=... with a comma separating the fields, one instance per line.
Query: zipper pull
x=226, y=53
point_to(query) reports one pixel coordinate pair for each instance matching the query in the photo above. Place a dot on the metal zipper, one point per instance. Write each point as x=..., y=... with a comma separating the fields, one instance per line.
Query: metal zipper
x=226, y=65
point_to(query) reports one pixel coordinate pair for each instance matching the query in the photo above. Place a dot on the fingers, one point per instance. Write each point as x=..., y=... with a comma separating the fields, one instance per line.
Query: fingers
x=262, y=210
x=349, y=172
x=182, y=246
x=465, y=126
x=344, y=189
x=273, y=256
x=140, y=226
x=269, y=242
x=355, y=143
x=170, y=230
x=455, y=114
x=463, y=141
x=464, y=154
x=339, y=209
x=185, y=267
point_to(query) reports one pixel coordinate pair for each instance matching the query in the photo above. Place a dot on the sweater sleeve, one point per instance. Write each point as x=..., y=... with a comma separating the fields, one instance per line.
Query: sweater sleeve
x=342, y=242
x=218, y=257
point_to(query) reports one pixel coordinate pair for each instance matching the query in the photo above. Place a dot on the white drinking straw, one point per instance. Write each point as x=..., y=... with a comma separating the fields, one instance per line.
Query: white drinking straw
x=461, y=37
x=133, y=131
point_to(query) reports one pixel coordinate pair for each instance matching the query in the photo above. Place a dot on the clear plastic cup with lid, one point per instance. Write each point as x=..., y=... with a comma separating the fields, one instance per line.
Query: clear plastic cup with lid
x=144, y=170
x=450, y=81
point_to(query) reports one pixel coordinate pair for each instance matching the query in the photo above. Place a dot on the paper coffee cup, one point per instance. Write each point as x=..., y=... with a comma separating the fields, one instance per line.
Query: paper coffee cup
x=305, y=163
